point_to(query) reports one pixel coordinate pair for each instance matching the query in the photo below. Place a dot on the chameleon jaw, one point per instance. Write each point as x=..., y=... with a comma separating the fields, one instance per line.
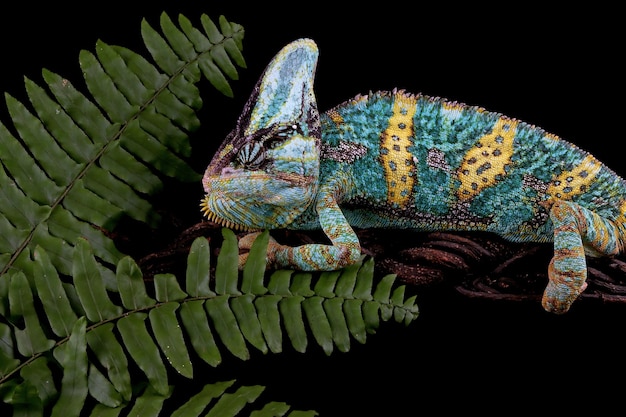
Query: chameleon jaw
x=211, y=216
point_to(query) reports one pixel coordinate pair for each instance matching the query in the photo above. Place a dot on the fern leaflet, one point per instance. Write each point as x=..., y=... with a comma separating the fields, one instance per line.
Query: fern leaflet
x=72, y=166
x=91, y=334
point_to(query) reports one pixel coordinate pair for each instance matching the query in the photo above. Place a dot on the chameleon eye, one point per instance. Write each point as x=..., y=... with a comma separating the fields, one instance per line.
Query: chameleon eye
x=251, y=155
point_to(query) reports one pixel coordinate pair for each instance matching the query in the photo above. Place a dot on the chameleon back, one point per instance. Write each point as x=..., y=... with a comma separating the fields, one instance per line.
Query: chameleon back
x=430, y=164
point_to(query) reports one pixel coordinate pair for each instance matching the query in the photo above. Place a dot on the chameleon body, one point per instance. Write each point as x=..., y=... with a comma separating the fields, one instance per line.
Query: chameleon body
x=397, y=160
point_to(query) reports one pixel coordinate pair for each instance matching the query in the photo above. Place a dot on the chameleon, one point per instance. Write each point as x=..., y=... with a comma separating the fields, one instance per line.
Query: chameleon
x=392, y=159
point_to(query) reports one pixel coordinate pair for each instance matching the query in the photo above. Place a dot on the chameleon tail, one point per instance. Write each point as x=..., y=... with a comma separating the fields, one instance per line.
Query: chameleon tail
x=577, y=230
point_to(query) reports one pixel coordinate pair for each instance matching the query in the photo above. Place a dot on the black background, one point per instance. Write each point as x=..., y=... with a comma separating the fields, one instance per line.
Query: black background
x=553, y=67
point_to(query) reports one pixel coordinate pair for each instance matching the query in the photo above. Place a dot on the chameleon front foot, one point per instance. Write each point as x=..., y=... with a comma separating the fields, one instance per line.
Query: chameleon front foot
x=245, y=243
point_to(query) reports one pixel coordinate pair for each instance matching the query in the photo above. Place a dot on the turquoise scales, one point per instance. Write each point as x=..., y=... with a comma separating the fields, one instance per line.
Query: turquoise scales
x=398, y=160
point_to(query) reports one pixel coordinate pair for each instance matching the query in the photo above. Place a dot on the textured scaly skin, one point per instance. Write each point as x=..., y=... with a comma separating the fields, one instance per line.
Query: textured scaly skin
x=407, y=161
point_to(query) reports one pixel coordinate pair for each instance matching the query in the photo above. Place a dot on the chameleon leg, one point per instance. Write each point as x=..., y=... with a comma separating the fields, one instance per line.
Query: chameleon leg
x=344, y=250
x=576, y=230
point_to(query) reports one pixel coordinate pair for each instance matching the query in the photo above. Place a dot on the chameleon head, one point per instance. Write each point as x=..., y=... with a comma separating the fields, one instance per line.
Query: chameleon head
x=266, y=171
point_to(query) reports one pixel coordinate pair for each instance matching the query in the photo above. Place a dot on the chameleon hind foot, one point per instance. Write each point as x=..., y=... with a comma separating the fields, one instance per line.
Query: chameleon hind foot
x=562, y=290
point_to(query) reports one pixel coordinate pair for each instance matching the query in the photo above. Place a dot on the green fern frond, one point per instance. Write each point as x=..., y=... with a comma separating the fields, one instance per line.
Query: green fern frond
x=74, y=163
x=90, y=334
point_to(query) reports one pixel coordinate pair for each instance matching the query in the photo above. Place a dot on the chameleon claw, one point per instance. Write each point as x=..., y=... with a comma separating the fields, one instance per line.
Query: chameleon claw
x=245, y=243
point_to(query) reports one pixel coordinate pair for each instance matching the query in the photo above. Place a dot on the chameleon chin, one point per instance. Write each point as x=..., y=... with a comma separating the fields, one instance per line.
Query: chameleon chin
x=392, y=159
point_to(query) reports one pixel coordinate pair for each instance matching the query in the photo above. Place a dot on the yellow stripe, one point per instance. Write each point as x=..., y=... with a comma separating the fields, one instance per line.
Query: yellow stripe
x=484, y=164
x=572, y=183
x=394, y=149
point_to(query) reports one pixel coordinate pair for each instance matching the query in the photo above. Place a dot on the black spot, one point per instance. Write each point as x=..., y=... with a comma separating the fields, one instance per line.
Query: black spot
x=472, y=160
x=402, y=125
x=396, y=148
x=497, y=152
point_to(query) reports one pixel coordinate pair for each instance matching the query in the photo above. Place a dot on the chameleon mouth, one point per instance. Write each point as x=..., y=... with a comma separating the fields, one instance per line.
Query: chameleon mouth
x=211, y=216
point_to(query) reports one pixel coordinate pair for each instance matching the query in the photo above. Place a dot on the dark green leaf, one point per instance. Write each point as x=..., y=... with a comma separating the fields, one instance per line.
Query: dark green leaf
x=143, y=350
x=196, y=324
x=73, y=358
x=371, y=316
x=125, y=80
x=271, y=410
x=247, y=317
x=269, y=318
x=167, y=288
x=111, y=355
x=280, y=281
x=365, y=281
x=225, y=325
x=101, y=389
x=200, y=42
x=354, y=319
x=226, y=270
x=52, y=295
x=340, y=334
x=131, y=286
x=104, y=90
x=301, y=284
x=170, y=338
x=60, y=125
x=49, y=155
x=81, y=110
x=291, y=312
x=25, y=401
x=318, y=323
x=214, y=34
x=161, y=52
x=214, y=75
x=25, y=171
x=347, y=280
x=177, y=39
x=198, y=269
x=196, y=404
x=150, y=403
x=221, y=58
x=31, y=339
x=234, y=52
x=39, y=375
x=90, y=285
x=383, y=289
x=105, y=185
x=254, y=269
x=230, y=404
x=325, y=285
x=123, y=165
x=7, y=354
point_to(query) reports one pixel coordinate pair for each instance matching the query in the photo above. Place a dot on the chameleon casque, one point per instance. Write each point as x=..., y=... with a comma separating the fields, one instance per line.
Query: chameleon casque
x=397, y=160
